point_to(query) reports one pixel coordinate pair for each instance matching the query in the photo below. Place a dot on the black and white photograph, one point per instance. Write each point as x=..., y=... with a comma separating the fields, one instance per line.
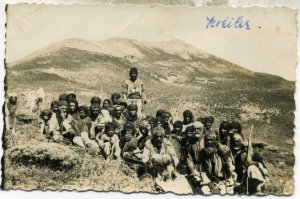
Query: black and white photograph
x=155, y=99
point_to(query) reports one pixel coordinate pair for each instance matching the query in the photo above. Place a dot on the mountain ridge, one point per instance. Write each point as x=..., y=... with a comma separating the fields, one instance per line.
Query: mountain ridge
x=174, y=62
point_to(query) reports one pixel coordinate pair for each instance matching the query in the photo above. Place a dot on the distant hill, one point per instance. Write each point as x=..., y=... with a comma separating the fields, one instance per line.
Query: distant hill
x=92, y=63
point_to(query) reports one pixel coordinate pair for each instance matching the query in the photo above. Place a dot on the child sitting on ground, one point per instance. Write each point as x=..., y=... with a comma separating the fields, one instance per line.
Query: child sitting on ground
x=109, y=142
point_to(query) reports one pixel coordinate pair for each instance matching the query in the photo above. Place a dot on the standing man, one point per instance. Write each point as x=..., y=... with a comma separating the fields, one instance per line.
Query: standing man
x=133, y=91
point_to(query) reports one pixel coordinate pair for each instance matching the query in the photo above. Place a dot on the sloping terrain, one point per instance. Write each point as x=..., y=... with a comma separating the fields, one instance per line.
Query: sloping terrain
x=177, y=77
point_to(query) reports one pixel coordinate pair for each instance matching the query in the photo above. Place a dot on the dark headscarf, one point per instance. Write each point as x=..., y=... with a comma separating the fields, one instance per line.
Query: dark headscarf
x=55, y=102
x=115, y=95
x=133, y=70
x=132, y=107
x=96, y=100
x=63, y=97
x=236, y=125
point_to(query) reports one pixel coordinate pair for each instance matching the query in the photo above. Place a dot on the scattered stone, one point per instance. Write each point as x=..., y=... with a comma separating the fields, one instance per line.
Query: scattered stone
x=272, y=148
x=25, y=119
x=281, y=163
x=289, y=142
x=259, y=144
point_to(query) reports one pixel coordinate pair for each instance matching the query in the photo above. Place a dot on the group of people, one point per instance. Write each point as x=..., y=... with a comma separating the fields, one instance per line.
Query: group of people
x=215, y=161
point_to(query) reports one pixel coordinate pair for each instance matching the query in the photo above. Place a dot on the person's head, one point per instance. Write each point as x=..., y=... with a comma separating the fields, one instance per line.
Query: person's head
x=210, y=143
x=115, y=98
x=46, y=115
x=198, y=128
x=71, y=95
x=207, y=122
x=236, y=127
x=152, y=121
x=118, y=111
x=178, y=125
x=54, y=106
x=189, y=132
x=158, y=136
x=129, y=128
x=63, y=97
x=110, y=129
x=73, y=105
x=106, y=104
x=188, y=117
x=237, y=142
x=166, y=116
x=63, y=107
x=144, y=127
x=96, y=100
x=159, y=114
x=132, y=109
x=133, y=73
x=95, y=109
x=224, y=128
x=123, y=104
x=83, y=111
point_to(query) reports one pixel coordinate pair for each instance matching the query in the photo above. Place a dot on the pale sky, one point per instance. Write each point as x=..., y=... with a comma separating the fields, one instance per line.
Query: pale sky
x=270, y=49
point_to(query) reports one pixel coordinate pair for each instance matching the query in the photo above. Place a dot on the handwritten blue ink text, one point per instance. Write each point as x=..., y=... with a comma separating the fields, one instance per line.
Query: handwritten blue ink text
x=228, y=23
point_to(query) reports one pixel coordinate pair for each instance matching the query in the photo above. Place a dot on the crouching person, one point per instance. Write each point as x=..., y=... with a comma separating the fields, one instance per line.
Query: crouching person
x=61, y=126
x=252, y=174
x=92, y=126
x=45, y=118
x=133, y=150
x=109, y=142
x=215, y=172
x=160, y=155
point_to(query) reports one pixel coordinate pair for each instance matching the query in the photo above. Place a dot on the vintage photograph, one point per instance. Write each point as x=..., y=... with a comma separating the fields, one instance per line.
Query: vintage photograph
x=189, y=100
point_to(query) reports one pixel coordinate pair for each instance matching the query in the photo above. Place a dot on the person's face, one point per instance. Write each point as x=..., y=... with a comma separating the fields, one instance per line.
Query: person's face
x=209, y=145
x=118, y=112
x=82, y=114
x=64, y=101
x=190, y=134
x=128, y=131
x=95, y=111
x=105, y=104
x=54, y=108
x=110, y=132
x=224, y=131
x=63, y=110
x=208, y=125
x=144, y=131
x=237, y=143
x=187, y=119
x=209, y=142
x=234, y=130
x=158, y=139
x=178, y=129
x=132, y=112
x=72, y=107
x=198, y=131
x=165, y=119
x=46, y=118
x=133, y=76
x=115, y=100
x=71, y=96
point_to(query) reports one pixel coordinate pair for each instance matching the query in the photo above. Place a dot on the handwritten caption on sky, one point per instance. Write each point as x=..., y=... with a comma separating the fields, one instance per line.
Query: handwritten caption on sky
x=228, y=23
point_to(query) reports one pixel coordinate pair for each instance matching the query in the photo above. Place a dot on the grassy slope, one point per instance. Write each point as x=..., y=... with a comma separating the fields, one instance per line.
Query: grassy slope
x=231, y=95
